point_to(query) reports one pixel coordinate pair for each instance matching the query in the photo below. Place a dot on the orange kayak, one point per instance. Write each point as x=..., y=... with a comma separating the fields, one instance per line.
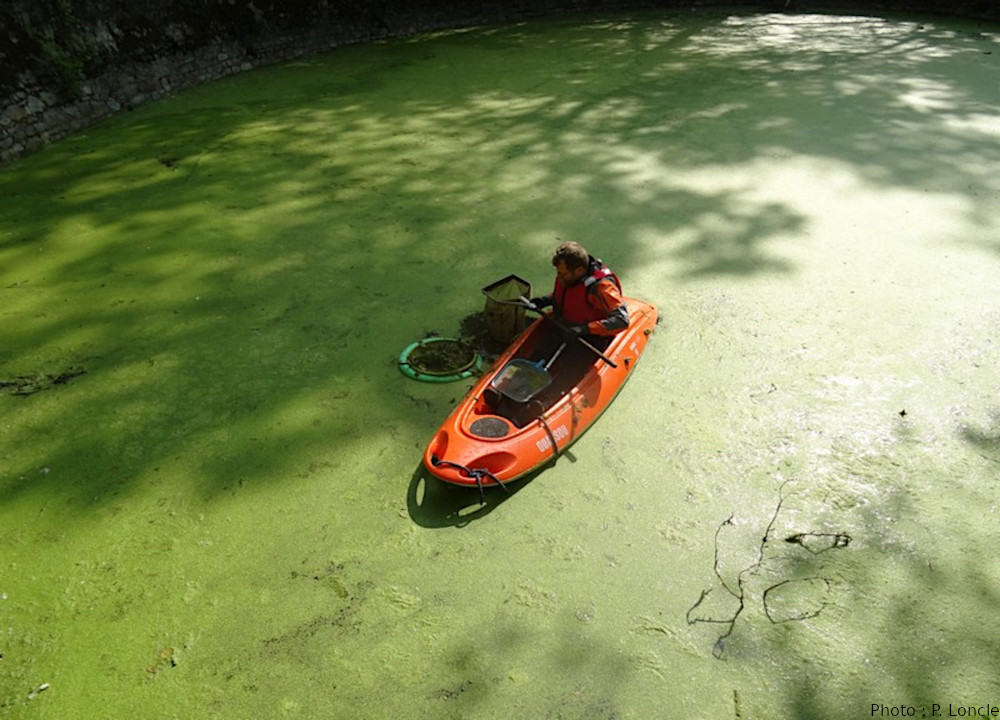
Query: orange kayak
x=535, y=401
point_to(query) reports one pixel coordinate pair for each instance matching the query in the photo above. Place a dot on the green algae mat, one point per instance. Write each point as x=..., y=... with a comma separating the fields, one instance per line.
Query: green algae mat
x=211, y=500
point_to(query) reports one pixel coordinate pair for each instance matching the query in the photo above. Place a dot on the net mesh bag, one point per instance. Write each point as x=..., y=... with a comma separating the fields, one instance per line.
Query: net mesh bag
x=503, y=314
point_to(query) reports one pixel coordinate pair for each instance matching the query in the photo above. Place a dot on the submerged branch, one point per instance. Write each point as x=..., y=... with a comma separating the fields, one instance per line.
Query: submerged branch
x=813, y=542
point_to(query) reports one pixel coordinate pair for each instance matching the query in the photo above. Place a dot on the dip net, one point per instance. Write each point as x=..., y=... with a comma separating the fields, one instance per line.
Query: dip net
x=504, y=311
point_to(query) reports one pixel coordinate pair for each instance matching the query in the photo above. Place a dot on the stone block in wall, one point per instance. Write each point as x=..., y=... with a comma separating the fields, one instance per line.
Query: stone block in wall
x=15, y=114
x=34, y=105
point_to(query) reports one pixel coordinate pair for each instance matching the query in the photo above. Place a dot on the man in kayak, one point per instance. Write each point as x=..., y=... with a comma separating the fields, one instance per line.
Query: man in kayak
x=587, y=295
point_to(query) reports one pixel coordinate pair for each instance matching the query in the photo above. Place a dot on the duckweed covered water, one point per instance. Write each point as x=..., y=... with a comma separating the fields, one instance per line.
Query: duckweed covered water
x=789, y=512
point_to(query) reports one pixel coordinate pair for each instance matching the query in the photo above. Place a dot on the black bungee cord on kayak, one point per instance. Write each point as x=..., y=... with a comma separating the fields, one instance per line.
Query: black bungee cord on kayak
x=477, y=473
x=480, y=473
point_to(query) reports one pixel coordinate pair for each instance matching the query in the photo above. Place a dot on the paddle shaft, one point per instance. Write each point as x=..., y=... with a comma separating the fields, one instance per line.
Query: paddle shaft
x=528, y=304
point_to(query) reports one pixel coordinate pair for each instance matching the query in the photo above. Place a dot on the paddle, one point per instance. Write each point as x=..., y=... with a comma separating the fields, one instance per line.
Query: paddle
x=523, y=286
x=548, y=316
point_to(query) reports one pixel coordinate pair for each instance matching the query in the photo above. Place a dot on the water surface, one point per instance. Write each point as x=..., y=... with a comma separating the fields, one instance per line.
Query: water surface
x=210, y=496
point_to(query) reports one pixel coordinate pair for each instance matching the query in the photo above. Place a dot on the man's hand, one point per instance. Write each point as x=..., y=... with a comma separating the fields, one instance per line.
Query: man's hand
x=540, y=303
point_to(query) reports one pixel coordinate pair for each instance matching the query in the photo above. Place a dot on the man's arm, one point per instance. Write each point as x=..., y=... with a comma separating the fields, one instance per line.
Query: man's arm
x=608, y=299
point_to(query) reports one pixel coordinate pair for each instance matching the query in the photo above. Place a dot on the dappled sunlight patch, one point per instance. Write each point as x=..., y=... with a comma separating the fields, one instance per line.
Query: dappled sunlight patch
x=975, y=123
x=508, y=105
x=639, y=174
x=611, y=112
x=860, y=83
x=926, y=95
x=834, y=34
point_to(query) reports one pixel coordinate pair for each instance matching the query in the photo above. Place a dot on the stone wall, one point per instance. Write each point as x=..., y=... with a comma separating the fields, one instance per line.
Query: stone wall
x=67, y=64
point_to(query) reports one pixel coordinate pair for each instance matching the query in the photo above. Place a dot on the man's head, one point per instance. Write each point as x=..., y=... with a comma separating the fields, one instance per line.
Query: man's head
x=570, y=261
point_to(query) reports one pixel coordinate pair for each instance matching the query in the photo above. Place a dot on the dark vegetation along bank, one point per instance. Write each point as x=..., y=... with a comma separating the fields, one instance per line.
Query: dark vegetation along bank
x=66, y=64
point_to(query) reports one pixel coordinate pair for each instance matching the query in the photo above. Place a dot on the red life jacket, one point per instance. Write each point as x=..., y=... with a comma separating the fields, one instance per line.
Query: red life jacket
x=571, y=302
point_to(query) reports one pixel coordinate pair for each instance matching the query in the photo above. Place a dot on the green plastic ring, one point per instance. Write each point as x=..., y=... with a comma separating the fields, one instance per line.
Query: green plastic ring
x=459, y=374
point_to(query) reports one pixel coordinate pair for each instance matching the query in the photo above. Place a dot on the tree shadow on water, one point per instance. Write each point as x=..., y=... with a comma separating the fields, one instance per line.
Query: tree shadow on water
x=926, y=644
x=224, y=266
x=235, y=271
x=986, y=441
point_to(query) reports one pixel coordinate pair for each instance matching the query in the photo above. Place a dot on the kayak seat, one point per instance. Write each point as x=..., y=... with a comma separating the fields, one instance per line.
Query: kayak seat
x=520, y=414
